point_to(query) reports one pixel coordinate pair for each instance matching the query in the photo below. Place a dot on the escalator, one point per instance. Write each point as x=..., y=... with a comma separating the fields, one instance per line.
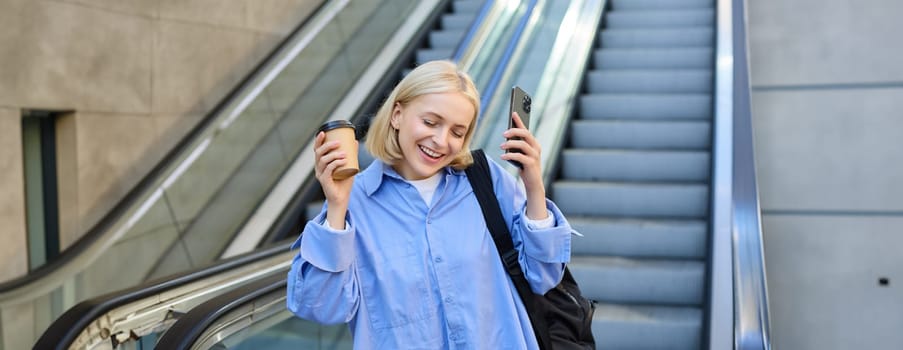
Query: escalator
x=635, y=177
x=655, y=169
x=643, y=124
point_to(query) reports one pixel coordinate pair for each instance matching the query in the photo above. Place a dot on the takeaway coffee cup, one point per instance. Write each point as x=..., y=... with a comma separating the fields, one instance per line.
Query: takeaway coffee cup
x=343, y=131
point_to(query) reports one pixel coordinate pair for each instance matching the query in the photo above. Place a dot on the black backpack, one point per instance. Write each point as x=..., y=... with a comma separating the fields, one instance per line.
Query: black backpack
x=562, y=318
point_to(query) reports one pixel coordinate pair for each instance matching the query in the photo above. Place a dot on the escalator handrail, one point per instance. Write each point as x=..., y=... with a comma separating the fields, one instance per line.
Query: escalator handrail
x=462, y=49
x=49, y=276
x=65, y=329
x=201, y=317
x=499, y=71
x=557, y=95
x=560, y=84
x=738, y=290
x=752, y=327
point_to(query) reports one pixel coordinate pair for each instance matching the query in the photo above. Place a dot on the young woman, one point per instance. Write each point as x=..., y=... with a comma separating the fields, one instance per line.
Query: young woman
x=401, y=251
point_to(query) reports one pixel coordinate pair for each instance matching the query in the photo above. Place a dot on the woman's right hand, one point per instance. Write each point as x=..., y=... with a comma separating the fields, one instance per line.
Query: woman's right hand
x=330, y=158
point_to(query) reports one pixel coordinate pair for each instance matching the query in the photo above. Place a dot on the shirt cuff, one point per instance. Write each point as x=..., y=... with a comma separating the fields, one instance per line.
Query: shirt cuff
x=549, y=221
x=325, y=248
x=551, y=244
x=329, y=228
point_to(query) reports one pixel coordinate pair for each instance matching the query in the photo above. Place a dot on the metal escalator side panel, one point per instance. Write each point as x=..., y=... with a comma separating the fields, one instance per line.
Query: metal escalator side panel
x=149, y=308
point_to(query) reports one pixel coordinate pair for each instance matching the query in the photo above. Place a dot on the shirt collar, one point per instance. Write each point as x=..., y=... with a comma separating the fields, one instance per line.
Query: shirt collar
x=373, y=176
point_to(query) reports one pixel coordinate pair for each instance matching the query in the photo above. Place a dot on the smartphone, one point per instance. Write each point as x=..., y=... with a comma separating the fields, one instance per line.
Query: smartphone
x=522, y=104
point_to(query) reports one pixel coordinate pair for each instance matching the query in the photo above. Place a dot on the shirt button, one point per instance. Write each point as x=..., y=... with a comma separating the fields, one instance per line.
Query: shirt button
x=438, y=259
x=448, y=300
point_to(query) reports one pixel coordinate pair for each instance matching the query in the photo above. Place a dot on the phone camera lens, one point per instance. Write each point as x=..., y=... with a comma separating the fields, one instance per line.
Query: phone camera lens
x=527, y=103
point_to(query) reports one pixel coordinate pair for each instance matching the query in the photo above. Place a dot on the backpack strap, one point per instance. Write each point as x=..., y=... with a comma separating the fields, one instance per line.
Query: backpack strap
x=480, y=178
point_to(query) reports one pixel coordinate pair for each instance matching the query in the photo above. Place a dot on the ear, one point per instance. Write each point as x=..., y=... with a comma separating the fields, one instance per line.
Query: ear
x=396, y=116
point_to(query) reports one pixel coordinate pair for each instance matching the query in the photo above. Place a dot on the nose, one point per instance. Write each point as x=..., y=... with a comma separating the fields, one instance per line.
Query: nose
x=440, y=137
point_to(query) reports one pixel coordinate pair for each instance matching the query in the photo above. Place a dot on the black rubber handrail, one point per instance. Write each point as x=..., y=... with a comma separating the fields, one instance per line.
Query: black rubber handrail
x=192, y=325
x=70, y=324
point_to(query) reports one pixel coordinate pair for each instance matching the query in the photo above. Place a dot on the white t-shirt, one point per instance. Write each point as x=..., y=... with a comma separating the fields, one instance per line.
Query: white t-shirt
x=427, y=187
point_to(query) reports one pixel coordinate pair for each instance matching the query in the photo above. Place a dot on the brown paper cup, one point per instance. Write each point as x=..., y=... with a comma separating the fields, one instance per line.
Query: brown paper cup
x=343, y=131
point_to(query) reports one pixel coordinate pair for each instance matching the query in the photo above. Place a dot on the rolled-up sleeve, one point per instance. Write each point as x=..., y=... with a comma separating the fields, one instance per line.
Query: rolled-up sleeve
x=321, y=284
x=327, y=249
x=552, y=244
x=543, y=251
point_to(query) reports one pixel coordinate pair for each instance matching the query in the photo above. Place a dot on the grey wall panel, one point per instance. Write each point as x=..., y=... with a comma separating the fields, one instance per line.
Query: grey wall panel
x=827, y=105
x=825, y=41
x=835, y=150
x=823, y=281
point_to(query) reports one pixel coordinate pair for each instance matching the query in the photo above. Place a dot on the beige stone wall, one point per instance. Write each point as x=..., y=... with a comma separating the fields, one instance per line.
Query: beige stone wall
x=13, y=256
x=139, y=74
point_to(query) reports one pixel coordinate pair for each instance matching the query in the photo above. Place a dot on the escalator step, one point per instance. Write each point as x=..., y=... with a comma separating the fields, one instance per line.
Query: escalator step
x=635, y=166
x=467, y=6
x=656, y=38
x=648, y=327
x=660, y=19
x=675, y=239
x=446, y=39
x=426, y=55
x=460, y=21
x=661, y=58
x=644, y=200
x=639, y=281
x=650, y=80
x=660, y=4
x=651, y=135
x=646, y=106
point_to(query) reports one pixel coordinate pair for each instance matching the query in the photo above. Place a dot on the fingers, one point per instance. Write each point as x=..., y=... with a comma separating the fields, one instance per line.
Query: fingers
x=333, y=165
x=327, y=155
x=518, y=134
x=318, y=140
x=520, y=130
x=518, y=123
x=521, y=139
x=327, y=163
x=520, y=150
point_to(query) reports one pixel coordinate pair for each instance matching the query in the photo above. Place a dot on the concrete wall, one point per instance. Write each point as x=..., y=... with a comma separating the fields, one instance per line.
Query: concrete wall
x=827, y=94
x=138, y=74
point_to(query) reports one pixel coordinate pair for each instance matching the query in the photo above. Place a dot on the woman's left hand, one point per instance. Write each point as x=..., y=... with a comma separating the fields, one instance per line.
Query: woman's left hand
x=530, y=158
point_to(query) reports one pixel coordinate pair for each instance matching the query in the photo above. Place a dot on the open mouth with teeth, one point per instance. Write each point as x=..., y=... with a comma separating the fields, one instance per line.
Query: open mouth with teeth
x=430, y=153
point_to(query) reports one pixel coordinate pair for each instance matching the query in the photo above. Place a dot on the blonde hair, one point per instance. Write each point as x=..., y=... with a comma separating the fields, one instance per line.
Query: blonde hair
x=433, y=77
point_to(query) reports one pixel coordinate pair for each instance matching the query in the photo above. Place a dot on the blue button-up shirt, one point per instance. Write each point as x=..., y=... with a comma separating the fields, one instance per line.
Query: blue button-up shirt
x=406, y=275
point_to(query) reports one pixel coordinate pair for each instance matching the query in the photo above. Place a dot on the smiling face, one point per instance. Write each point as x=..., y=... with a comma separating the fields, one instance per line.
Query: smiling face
x=432, y=129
